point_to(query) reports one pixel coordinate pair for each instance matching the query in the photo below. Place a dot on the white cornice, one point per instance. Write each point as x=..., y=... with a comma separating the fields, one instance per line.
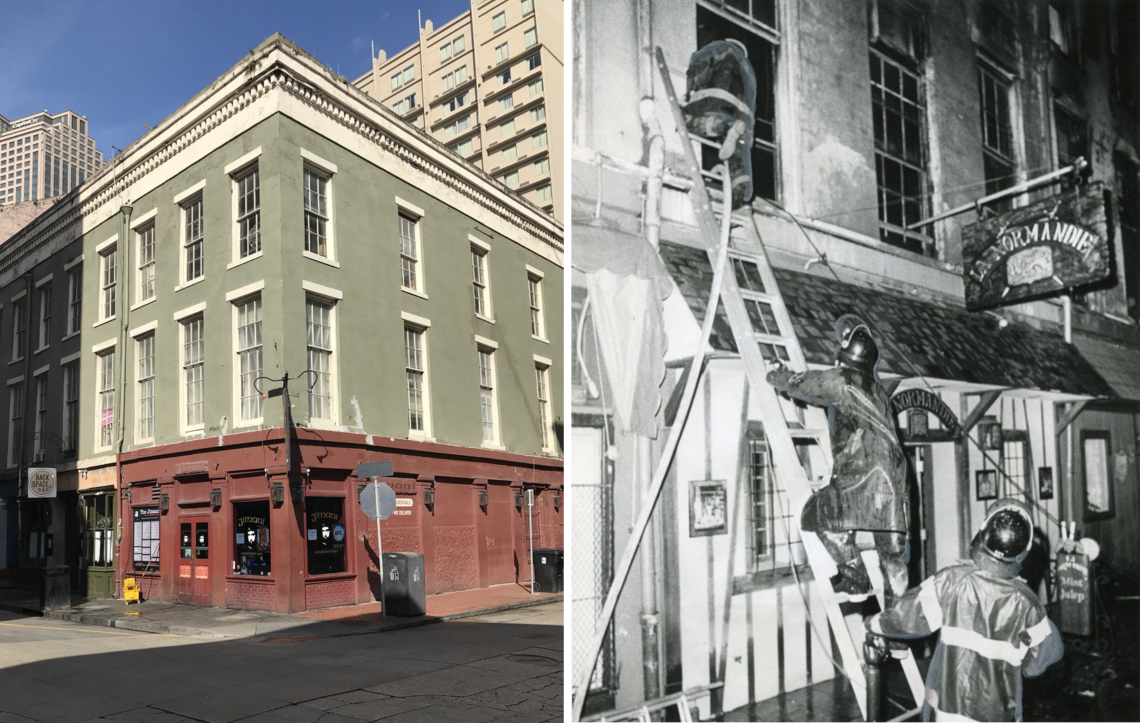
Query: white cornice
x=279, y=77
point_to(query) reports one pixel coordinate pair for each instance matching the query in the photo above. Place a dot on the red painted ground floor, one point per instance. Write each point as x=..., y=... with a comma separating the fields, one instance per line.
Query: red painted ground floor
x=222, y=522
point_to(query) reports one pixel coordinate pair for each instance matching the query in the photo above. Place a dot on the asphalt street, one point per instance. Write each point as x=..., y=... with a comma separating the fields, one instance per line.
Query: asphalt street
x=501, y=666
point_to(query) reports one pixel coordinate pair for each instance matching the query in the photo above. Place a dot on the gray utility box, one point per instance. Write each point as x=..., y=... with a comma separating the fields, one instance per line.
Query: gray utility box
x=55, y=587
x=404, y=590
x=548, y=570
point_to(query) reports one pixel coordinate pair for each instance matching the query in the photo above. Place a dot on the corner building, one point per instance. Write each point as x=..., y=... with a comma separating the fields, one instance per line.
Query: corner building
x=283, y=222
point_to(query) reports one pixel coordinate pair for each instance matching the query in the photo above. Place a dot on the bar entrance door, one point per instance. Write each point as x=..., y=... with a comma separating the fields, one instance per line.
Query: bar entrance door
x=193, y=562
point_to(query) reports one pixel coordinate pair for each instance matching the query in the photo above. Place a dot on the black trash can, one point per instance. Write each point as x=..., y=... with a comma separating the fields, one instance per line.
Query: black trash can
x=55, y=587
x=548, y=570
x=404, y=590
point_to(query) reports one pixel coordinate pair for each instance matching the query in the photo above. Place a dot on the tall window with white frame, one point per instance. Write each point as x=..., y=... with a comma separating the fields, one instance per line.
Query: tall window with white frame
x=145, y=346
x=997, y=138
x=45, y=317
x=898, y=102
x=193, y=239
x=479, y=282
x=249, y=356
x=41, y=417
x=146, y=263
x=249, y=212
x=105, y=367
x=537, y=327
x=409, y=253
x=70, y=406
x=19, y=329
x=541, y=373
x=74, y=300
x=316, y=213
x=194, y=370
x=487, y=394
x=109, y=261
x=414, y=366
x=318, y=316
x=15, y=422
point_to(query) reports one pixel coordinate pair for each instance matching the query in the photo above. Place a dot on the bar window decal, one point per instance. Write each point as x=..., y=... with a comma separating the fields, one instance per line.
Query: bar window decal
x=251, y=539
x=326, y=534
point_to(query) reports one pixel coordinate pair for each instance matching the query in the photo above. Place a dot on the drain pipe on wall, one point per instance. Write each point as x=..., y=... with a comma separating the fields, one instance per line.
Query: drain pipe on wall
x=1067, y=310
x=123, y=261
x=643, y=444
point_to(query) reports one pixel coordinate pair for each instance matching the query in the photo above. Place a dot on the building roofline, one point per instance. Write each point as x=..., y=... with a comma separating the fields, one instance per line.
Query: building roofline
x=279, y=64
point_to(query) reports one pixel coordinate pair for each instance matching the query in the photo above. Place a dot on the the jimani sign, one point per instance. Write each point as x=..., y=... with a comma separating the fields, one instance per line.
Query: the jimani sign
x=1053, y=244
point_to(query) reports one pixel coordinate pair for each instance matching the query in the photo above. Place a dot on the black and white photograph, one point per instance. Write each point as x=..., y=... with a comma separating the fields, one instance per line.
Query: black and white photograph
x=875, y=267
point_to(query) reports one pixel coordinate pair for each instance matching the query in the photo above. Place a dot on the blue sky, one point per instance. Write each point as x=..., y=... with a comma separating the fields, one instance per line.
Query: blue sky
x=122, y=63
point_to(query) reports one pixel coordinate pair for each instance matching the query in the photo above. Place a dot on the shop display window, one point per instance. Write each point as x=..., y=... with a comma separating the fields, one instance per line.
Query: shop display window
x=251, y=538
x=146, y=539
x=326, y=533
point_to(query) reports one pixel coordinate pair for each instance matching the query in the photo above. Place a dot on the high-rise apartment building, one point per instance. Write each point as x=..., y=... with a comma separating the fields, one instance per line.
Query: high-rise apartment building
x=488, y=85
x=44, y=155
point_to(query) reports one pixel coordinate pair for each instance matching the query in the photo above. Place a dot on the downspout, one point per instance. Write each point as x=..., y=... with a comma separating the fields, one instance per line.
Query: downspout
x=1067, y=309
x=650, y=617
x=27, y=369
x=123, y=253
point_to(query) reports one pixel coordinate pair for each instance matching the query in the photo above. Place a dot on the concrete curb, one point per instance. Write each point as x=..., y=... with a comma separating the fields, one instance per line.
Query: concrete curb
x=144, y=626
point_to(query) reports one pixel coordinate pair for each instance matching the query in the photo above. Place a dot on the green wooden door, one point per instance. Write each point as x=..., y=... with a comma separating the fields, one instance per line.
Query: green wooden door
x=97, y=545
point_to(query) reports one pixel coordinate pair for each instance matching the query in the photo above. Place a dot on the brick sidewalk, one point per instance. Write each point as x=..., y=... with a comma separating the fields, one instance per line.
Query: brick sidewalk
x=449, y=604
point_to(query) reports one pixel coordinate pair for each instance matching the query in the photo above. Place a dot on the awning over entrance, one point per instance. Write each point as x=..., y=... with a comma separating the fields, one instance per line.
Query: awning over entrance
x=919, y=338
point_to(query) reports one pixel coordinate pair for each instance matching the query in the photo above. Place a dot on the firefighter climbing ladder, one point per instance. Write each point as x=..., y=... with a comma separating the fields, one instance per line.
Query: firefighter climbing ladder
x=749, y=261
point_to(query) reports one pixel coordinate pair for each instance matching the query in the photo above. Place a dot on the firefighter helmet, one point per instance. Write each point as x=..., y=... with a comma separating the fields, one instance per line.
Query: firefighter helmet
x=858, y=350
x=1008, y=530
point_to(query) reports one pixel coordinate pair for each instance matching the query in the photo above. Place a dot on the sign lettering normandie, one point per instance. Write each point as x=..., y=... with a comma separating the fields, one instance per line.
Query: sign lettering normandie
x=929, y=402
x=1041, y=249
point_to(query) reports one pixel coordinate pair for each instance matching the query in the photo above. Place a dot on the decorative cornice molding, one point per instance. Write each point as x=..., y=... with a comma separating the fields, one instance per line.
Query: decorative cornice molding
x=116, y=179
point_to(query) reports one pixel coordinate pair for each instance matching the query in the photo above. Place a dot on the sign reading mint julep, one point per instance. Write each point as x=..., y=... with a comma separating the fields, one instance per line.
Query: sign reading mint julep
x=1041, y=249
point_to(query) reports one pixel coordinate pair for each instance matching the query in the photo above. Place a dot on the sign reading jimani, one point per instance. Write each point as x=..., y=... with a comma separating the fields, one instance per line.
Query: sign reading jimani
x=1057, y=243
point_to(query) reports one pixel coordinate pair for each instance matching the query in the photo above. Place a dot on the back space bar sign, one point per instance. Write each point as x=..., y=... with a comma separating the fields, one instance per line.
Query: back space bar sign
x=378, y=501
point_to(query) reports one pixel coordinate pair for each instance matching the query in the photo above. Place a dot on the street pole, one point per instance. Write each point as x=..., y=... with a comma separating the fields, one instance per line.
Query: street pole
x=380, y=555
x=530, y=524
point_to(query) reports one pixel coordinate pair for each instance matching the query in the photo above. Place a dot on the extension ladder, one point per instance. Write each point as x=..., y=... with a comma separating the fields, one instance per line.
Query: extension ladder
x=763, y=332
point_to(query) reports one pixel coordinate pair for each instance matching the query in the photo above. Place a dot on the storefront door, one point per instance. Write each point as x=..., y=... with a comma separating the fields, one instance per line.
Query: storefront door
x=920, y=481
x=194, y=561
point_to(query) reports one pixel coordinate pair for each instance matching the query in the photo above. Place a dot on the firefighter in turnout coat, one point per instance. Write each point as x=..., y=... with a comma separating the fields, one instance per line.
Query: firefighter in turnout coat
x=993, y=628
x=868, y=486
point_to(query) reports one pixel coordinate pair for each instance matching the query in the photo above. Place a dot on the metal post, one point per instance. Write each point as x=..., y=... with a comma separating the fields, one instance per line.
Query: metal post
x=875, y=654
x=530, y=524
x=380, y=555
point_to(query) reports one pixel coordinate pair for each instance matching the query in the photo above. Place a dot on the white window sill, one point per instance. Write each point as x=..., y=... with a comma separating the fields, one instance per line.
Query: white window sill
x=148, y=442
x=413, y=292
x=74, y=333
x=484, y=318
x=496, y=447
x=16, y=360
x=325, y=424
x=539, y=338
x=246, y=260
x=42, y=348
x=141, y=304
x=320, y=259
x=198, y=430
x=248, y=422
x=102, y=322
x=198, y=280
x=419, y=437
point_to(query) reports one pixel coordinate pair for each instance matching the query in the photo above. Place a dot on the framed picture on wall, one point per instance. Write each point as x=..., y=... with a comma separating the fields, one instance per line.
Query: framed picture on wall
x=708, y=508
x=1044, y=483
x=1097, y=460
x=987, y=482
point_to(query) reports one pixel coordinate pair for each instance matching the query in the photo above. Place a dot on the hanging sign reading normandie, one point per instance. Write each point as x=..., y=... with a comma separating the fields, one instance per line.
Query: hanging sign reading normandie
x=1048, y=246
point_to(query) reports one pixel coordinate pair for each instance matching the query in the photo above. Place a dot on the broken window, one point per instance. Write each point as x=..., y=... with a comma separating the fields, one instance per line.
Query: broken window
x=752, y=22
x=899, y=119
x=1128, y=203
x=997, y=144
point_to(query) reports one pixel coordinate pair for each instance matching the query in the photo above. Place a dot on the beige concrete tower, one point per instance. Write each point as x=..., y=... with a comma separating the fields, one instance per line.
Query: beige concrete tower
x=44, y=155
x=489, y=85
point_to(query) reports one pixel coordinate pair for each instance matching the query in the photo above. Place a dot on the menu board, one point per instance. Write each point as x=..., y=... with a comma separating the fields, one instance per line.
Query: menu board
x=146, y=539
x=1075, y=587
